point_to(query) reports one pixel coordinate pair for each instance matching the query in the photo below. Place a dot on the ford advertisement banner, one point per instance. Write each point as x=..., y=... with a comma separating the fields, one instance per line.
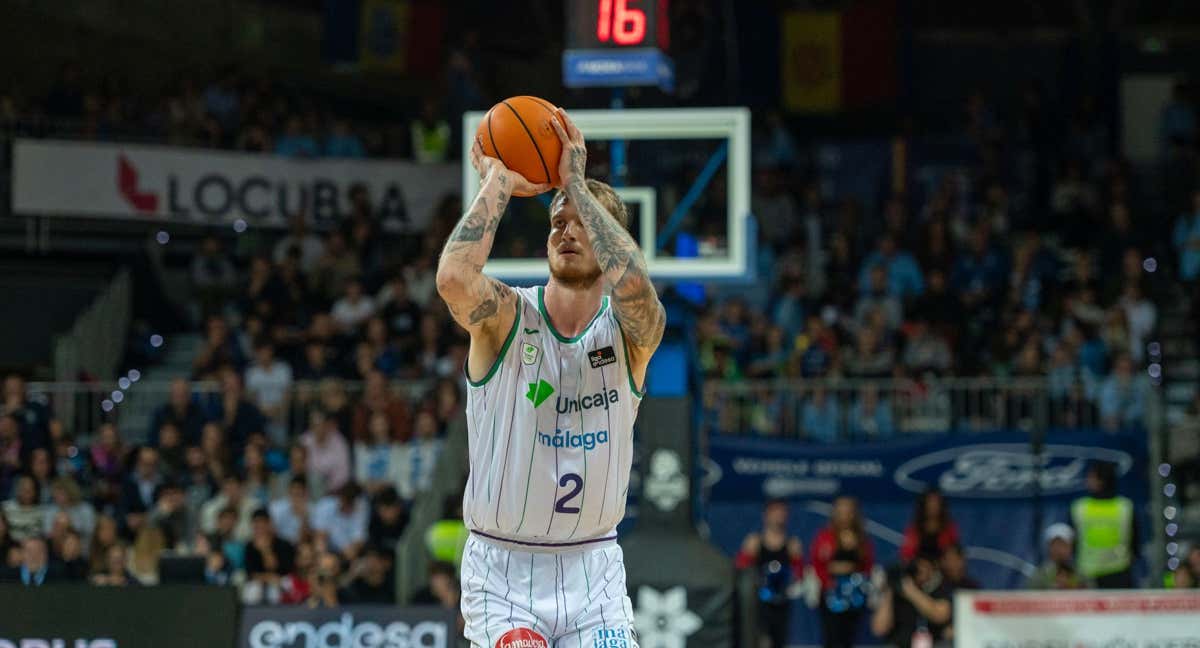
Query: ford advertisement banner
x=1000, y=493
x=205, y=187
x=360, y=626
x=84, y=616
x=1123, y=619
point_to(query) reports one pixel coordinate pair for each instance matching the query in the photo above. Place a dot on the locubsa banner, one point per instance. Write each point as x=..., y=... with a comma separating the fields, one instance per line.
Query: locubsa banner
x=196, y=186
x=1125, y=619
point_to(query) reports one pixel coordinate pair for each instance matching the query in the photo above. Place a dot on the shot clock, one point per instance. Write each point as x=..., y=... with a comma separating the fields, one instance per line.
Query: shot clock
x=617, y=43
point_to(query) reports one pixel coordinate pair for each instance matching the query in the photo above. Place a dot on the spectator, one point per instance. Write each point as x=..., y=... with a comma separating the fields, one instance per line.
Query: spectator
x=980, y=273
x=872, y=356
x=389, y=519
x=297, y=466
x=1106, y=530
x=343, y=143
x=915, y=608
x=902, y=275
x=954, y=570
x=328, y=452
x=336, y=268
x=69, y=557
x=24, y=511
x=68, y=499
x=197, y=482
x=842, y=556
x=180, y=411
x=418, y=459
x=137, y=494
x=778, y=557
x=232, y=496
x=400, y=311
x=931, y=530
x=876, y=297
x=820, y=419
x=103, y=538
x=8, y=545
x=1141, y=315
x=41, y=468
x=1058, y=571
x=256, y=477
x=222, y=102
x=225, y=540
x=171, y=514
x=316, y=365
x=430, y=134
x=325, y=591
x=310, y=245
x=238, y=417
x=871, y=417
x=296, y=141
x=171, y=451
x=32, y=416
x=217, y=568
x=372, y=582
x=108, y=464
x=10, y=451
x=1187, y=243
x=1123, y=396
x=213, y=275
x=295, y=588
x=219, y=350
x=926, y=352
x=148, y=546
x=114, y=570
x=442, y=588
x=290, y=514
x=268, y=559
x=377, y=460
x=268, y=382
x=1177, y=122
x=354, y=308
x=378, y=399
x=343, y=518
x=35, y=569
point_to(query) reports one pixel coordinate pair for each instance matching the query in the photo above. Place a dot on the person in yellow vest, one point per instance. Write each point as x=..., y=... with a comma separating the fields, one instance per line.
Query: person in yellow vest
x=1105, y=531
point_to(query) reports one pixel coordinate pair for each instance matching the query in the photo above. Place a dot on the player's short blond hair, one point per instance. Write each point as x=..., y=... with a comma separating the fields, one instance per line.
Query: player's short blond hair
x=608, y=198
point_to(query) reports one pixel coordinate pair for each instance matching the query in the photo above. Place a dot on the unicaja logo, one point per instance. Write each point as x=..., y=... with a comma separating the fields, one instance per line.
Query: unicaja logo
x=345, y=632
x=599, y=399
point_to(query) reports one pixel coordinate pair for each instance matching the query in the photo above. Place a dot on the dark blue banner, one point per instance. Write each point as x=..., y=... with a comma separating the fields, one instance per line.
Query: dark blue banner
x=999, y=492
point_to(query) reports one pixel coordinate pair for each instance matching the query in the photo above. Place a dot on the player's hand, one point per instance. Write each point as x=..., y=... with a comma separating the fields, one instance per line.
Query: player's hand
x=572, y=165
x=492, y=169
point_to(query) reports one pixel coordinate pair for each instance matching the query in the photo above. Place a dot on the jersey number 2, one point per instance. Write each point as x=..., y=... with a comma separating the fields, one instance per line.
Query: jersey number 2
x=561, y=505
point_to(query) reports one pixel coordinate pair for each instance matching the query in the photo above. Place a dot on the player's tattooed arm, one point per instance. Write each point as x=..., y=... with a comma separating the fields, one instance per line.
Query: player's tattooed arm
x=634, y=299
x=479, y=302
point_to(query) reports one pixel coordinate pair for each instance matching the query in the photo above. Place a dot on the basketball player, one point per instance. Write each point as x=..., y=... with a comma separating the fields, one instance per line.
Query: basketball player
x=554, y=375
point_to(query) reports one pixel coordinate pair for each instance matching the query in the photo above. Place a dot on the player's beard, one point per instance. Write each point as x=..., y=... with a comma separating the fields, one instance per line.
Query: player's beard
x=572, y=277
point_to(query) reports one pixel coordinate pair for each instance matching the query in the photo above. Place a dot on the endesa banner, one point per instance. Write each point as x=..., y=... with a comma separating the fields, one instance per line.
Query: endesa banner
x=218, y=187
x=1121, y=619
x=357, y=626
x=83, y=616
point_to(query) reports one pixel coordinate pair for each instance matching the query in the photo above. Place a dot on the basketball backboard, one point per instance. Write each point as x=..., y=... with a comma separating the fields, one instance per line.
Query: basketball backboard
x=686, y=181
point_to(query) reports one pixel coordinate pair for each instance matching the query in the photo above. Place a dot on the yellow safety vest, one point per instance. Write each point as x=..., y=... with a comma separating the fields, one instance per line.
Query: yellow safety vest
x=1104, y=530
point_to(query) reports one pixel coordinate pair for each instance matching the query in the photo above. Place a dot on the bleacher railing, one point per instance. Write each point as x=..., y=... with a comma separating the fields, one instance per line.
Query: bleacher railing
x=837, y=410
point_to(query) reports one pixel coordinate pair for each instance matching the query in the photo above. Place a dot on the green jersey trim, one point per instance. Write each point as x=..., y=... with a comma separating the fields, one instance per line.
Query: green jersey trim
x=512, y=333
x=629, y=368
x=559, y=336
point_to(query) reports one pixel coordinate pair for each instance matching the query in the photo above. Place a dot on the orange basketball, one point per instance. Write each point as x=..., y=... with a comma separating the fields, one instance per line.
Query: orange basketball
x=517, y=131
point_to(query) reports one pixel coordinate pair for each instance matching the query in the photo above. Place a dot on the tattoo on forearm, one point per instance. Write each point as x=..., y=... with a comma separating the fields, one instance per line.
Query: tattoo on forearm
x=468, y=248
x=635, y=301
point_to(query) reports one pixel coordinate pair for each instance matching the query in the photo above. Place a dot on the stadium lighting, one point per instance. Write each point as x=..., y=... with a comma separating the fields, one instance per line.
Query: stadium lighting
x=123, y=382
x=156, y=340
x=162, y=237
x=135, y=375
x=1164, y=469
x=1169, y=490
x=106, y=405
x=118, y=396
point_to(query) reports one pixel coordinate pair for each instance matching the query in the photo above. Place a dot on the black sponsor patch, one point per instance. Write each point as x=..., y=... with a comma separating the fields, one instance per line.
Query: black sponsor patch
x=602, y=356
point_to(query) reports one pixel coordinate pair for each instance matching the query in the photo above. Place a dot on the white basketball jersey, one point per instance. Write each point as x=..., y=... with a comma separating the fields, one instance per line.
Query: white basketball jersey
x=551, y=431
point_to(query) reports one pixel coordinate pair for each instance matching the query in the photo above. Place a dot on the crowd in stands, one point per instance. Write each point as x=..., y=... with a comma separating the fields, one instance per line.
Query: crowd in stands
x=226, y=111
x=1031, y=256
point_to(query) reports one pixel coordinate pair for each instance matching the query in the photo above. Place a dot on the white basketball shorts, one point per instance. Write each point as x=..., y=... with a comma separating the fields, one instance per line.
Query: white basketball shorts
x=518, y=596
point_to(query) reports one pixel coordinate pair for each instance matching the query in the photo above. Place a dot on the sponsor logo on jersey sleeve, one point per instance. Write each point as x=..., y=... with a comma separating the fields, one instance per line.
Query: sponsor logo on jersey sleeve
x=522, y=638
x=539, y=392
x=529, y=354
x=602, y=356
